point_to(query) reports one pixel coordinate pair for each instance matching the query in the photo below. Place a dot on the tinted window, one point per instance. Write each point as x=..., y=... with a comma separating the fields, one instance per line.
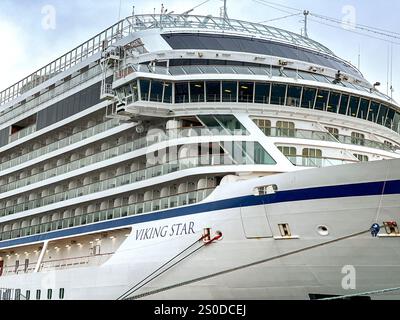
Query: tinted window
x=353, y=106
x=308, y=98
x=144, y=89
x=213, y=91
x=343, y=104
x=390, y=118
x=229, y=91
x=167, y=92
x=197, y=92
x=278, y=94
x=242, y=44
x=156, y=91
x=262, y=93
x=293, y=96
x=333, y=104
x=322, y=99
x=363, y=110
x=181, y=92
x=382, y=114
x=373, y=111
x=246, y=92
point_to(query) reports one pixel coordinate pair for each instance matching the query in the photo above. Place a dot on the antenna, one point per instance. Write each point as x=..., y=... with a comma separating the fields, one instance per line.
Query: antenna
x=359, y=57
x=224, y=11
x=306, y=13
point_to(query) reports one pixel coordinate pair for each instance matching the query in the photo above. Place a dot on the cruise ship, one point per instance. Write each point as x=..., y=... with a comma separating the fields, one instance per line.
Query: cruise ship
x=178, y=156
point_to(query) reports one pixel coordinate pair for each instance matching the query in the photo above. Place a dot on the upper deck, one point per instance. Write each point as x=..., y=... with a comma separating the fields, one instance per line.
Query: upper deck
x=166, y=23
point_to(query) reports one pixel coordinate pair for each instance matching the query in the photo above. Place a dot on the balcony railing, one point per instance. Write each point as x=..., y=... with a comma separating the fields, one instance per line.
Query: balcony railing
x=22, y=133
x=76, y=137
x=326, y=136
x=303, y=161
x=113, y=213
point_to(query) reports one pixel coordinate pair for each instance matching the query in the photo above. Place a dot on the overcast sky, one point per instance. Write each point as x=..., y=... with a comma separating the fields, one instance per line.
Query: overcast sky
x=29, y=39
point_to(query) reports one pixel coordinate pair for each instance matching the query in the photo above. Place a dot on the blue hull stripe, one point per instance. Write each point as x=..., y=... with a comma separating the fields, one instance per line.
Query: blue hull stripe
x=326, y=192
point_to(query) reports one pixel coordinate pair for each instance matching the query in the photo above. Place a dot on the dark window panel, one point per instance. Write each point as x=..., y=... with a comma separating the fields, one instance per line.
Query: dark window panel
x=262, y=93
x=390, y=119
x=322, y=100
x=167, y=92
x=363, y=110
x=213, y=91
x=293, y=96
x=382, y=114
x=353, y=106
x=246, y=92
x=144, y=89
x=333, y=104
x=308, y=98
x=181, y=92
x=197, y=91
x=278, y=94
x=156, y=91
x=259, y=46
x=344, y=101
x=229, y=91
x=373, y=111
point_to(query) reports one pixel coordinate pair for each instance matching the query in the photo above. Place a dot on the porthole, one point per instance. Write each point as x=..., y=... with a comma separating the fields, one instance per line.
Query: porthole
x=323, y=230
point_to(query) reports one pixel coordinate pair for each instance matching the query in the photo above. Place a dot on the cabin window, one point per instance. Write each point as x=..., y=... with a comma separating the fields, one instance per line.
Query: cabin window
x=229, y=91
x=144, y=89
x=284, y=230
x=61, y=294
x=357, y=138
x=181, y=92
x=28, y=294
x=312, y=157
x=293, y=96
x=363, y=110
x=17, y=294
x=262, y=93
x=16, y=266
x=49, y=294
x=308, y=98
x=333, y=131
x=344, y=101
x=373, y=111
x=269, y=189
x=157, y=88
x=264, y=125
x=278, y=94
x=246, y=91
x=26, y=265
x=383, y=111
x=322, y=100
x=333, y=104
x=213, y=89
x=288, y=151
x=285, y=129
x=361, y=157
x=38, y=294
x=353, y=106
x=197, y=92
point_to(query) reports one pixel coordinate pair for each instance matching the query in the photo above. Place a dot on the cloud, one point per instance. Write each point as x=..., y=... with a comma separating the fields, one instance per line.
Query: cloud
x=12, y=53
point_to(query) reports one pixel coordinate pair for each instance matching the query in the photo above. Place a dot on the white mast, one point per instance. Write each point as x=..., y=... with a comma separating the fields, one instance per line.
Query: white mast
x=306, y=13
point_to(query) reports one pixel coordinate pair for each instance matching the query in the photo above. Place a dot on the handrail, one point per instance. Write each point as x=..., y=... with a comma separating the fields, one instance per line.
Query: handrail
x=78, y=136
x=108, y=153
x=103, y=214
x=322, y=136
x=120, y=180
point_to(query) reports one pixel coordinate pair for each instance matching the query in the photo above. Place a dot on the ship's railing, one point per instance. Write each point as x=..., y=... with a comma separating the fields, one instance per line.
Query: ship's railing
x=11, y=294
x=20, y=269
x=83, y=261
x=22, y=133
x=76, y=137
x=140, y=207
x=12, y=112
x=304, y=161
x=124, y=179
x=326, y=136
x=116, y=151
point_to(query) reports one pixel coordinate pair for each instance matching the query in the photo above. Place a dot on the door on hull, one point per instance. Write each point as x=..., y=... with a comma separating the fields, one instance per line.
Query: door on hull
x=255, y=222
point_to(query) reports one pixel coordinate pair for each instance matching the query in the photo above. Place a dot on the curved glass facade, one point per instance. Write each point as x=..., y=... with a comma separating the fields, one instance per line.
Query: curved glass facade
x=282, y=94
x=242, y=44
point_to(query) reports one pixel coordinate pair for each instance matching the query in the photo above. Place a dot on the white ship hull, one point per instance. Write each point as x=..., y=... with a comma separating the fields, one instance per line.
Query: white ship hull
x=247, y=255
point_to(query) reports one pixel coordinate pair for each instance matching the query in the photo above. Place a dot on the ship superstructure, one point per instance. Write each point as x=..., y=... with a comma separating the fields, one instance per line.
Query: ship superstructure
x=167, y=129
